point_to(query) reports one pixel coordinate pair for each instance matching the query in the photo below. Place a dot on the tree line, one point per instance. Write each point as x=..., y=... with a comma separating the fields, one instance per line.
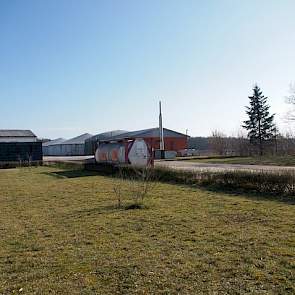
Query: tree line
x=262, y=135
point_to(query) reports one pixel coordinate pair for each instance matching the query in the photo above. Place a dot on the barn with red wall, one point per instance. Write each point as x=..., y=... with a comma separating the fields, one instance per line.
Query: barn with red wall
x=173, y=141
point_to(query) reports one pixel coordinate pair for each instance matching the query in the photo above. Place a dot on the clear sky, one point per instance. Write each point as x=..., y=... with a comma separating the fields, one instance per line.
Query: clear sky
x=74, y=66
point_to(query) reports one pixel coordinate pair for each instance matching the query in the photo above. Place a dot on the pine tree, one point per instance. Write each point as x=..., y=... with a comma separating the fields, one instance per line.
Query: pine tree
x=260, y=125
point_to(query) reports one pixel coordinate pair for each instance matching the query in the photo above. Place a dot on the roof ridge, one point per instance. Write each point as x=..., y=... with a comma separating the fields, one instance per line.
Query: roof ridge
x=16, y=133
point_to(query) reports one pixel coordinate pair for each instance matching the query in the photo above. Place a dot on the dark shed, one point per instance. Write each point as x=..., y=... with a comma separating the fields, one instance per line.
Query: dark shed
x=19, y=146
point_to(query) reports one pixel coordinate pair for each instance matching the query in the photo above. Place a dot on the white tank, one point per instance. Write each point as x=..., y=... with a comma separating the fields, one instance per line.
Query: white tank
x=138, y=153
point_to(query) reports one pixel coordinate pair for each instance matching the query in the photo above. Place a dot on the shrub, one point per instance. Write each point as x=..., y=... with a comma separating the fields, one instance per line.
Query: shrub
x=134, y=182
x=278, y=182
x=138, y=183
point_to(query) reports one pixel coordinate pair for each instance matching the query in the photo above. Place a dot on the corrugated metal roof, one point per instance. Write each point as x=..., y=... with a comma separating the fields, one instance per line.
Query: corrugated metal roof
x=54, y=141
x=151, y=132
x=78, y=140
x=16, y=133
x=106, y=135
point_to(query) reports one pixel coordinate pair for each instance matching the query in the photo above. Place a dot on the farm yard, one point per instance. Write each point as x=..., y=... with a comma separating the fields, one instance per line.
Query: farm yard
x=274, y=164
x=147, y=147
x=61, y=233
x=286, y=160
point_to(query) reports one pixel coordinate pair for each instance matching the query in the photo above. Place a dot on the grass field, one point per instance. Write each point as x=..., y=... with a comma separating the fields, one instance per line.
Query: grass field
x=265, y=160
x=62, y=234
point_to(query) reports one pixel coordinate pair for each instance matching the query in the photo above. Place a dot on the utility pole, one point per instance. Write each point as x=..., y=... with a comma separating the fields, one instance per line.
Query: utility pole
x=162, y=146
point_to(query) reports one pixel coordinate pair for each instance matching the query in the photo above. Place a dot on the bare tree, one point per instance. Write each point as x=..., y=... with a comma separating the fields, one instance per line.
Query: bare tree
x=135, y=183
x=217, y=142
x=290, y=99
x=287, y=144
x=118, y=187
x=242, y=144
x=142, y=183
x=19, y=160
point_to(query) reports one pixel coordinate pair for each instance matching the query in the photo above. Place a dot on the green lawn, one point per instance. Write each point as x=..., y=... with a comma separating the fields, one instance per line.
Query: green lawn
x=62, y=234
x=265, y=160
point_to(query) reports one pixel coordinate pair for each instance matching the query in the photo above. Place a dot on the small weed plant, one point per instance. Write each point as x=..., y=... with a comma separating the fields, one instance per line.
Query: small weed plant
x=135, y=183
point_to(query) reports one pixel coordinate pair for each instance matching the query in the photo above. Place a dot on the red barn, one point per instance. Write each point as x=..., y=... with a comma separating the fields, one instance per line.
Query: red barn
x=173, y=141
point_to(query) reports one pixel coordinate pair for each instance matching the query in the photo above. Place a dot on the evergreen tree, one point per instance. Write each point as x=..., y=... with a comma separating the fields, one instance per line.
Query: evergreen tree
x=260, y=124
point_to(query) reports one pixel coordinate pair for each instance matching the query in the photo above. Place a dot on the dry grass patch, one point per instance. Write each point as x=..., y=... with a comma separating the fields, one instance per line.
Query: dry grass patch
x=61, y=233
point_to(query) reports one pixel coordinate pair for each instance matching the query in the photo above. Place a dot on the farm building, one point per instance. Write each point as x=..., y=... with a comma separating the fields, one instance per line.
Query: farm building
x=71, y=147
x=173, y=141
x=48, y=147
x=91, y=143
x=17, y=136
x=19, y=146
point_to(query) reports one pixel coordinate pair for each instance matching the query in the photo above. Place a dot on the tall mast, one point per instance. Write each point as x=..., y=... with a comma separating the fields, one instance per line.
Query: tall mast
x=162, y=147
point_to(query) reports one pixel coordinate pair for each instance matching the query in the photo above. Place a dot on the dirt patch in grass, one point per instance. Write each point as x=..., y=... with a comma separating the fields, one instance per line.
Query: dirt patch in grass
x=64, y=235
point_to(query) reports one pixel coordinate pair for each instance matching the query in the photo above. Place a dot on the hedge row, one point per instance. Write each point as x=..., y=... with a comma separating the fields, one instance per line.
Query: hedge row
x=275, y=182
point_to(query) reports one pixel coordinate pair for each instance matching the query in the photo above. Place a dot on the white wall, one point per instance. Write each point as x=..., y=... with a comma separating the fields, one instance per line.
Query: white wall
x=18, y=139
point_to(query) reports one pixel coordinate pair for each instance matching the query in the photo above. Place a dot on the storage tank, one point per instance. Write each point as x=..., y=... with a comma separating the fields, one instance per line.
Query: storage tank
x=137, y=154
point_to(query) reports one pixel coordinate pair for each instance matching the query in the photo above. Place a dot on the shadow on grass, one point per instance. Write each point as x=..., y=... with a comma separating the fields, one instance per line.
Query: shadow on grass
x=71, y=173
x=250, y=194
x=97, y=210
x=110, y=209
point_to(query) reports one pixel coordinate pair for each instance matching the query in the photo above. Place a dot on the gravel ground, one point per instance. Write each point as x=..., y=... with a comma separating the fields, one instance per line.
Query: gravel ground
x=193, y=166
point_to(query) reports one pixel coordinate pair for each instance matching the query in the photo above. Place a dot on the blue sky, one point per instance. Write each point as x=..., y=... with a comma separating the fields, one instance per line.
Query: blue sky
x=74, y=66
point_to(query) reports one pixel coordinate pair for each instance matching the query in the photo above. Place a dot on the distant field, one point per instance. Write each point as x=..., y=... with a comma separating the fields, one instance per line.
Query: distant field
x=276, y=161
x=61, y=234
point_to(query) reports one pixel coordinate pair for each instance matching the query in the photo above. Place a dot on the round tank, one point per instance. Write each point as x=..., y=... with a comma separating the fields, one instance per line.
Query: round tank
x=110, y=153
x=137, y=153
